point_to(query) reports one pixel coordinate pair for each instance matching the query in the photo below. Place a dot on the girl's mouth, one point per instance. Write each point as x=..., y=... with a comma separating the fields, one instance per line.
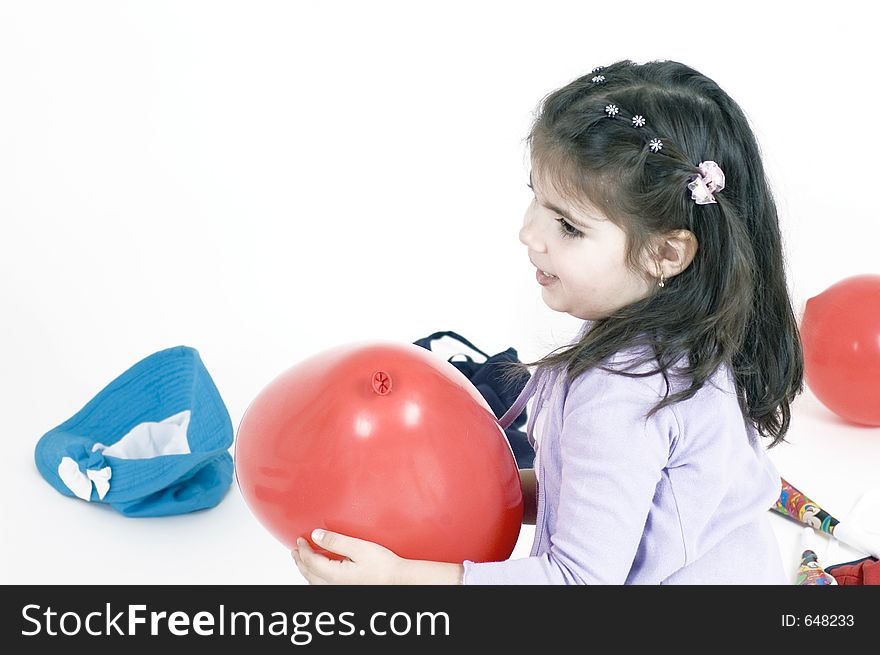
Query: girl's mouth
x=545, y=279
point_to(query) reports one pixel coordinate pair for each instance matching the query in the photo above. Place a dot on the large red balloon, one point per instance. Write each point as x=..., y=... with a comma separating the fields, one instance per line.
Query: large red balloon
x=840, y=332
x=385, y=442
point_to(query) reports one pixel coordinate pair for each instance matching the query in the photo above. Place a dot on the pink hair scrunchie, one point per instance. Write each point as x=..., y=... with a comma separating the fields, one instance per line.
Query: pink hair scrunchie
x=710, y=180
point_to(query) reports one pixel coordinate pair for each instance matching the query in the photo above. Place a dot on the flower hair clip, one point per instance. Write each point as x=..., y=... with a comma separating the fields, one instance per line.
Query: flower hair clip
x=709, y=180
x=637, y=121
x=599, y=79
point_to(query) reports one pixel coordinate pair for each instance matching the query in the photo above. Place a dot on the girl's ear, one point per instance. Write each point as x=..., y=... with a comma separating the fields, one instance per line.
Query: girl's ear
x=675, y=252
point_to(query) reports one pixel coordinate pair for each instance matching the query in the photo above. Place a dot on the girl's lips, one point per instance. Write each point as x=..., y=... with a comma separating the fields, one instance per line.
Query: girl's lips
x=544, y=280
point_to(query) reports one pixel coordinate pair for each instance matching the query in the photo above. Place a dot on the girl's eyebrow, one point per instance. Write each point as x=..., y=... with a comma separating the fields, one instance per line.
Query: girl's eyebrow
x=566, y=215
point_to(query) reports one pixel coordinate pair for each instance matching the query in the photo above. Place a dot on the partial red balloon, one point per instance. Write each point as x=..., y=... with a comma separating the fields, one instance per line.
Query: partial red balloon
x=385, y=442
x=840, y=331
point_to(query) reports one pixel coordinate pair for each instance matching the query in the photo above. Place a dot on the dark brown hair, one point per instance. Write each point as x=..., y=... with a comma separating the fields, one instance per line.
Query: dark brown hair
x=731, y=304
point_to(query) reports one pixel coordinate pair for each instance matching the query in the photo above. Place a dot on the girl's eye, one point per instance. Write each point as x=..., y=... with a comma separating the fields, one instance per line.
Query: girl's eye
x=567, y=230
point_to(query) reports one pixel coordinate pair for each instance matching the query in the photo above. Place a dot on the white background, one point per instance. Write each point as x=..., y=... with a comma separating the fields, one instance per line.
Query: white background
x=264, y=180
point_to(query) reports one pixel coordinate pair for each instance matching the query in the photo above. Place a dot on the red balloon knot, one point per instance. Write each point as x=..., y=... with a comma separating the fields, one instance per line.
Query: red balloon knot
x=381, y=383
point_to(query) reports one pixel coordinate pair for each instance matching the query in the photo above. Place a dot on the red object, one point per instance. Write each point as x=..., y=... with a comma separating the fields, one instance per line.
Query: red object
x=840, y=332
x=865, y=571
x=385, y=442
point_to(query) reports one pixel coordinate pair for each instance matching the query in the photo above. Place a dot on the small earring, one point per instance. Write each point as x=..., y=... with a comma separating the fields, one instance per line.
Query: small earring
x=661, y=283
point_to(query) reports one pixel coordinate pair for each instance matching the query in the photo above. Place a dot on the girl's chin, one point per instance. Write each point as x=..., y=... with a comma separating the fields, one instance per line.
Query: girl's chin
x=553, y=302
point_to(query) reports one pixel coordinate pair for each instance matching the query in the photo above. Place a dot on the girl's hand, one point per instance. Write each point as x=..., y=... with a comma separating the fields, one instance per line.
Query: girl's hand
x=366, y=563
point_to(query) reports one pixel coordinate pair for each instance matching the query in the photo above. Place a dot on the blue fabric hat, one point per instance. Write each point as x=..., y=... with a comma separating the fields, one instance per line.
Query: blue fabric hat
x=153, y=442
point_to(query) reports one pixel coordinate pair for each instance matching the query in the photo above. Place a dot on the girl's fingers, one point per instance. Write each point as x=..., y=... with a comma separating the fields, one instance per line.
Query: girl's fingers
x=339, y=543
x=307, y=572
x=316, y=564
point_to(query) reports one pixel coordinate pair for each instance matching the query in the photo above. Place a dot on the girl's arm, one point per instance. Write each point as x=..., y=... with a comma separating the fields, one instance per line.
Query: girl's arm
x=611, y=460
x=367, y=563
x=529, y=492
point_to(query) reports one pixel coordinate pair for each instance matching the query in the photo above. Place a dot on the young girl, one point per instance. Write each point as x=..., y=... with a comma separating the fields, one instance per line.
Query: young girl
x=654, y=223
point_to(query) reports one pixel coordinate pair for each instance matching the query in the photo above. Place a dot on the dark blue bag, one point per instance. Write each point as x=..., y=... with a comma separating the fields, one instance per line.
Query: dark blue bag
x=486, y=377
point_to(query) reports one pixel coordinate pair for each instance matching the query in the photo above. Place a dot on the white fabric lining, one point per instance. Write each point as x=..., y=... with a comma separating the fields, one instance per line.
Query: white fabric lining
x=144, y=441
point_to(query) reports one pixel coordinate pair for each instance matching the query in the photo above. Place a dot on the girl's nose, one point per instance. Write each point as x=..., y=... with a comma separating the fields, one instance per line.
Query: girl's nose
x=529, y=234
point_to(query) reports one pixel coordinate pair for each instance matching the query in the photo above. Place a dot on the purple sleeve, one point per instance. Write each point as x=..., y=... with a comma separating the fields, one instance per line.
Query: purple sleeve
x=612, y=459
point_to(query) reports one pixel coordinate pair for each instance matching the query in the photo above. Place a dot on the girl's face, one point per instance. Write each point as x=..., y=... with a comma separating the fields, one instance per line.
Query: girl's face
x=584, y=251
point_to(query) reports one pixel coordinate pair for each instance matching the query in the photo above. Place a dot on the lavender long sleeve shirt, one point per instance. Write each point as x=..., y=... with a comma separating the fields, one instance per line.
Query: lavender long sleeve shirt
x=679, y=498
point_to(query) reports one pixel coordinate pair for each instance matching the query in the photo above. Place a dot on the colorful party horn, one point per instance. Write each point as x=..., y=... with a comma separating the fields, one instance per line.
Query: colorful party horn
x=810, y=573
x=794, y=504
